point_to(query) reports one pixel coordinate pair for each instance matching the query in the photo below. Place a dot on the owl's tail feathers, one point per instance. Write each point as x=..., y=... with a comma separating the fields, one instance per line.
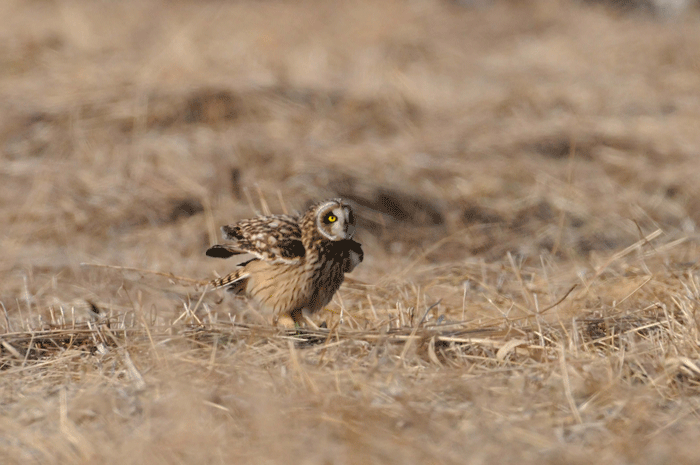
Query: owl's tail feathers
x=233, y=282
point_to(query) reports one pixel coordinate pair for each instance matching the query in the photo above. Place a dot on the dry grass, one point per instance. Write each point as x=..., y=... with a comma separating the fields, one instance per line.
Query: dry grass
x=526, y=180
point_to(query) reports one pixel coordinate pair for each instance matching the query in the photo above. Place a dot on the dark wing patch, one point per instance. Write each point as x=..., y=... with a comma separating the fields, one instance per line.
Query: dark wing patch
x=294, y=248
x=220, y=251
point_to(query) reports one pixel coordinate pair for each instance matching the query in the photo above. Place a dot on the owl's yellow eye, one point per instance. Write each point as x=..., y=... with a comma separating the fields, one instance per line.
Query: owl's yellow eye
x=332, y=218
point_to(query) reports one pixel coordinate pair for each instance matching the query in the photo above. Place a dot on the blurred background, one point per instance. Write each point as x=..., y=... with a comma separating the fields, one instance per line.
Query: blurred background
x=130, y=131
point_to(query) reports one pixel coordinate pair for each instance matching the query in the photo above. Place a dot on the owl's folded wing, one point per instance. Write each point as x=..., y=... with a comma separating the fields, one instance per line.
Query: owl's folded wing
x=275, y=238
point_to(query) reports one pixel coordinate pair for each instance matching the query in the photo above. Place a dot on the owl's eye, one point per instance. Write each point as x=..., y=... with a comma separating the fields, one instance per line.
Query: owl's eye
x=332, y=218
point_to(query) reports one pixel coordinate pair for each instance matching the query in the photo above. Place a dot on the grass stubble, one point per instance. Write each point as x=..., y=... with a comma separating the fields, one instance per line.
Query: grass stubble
x=527, y=204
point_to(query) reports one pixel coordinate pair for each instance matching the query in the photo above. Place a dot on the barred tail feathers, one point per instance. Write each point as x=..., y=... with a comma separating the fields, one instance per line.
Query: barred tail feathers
x=235, y=281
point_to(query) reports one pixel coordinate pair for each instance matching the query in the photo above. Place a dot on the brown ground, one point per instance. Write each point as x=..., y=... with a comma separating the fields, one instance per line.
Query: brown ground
x=499, y=154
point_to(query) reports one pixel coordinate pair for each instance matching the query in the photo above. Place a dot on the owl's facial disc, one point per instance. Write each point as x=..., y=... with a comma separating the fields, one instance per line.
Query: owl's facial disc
x=333, y=221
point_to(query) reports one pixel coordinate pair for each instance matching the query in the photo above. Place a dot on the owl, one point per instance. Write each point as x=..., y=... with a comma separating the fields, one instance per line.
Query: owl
x=299, y=261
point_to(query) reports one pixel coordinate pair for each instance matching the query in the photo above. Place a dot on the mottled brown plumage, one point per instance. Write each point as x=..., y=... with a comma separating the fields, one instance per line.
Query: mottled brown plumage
x=299, y=263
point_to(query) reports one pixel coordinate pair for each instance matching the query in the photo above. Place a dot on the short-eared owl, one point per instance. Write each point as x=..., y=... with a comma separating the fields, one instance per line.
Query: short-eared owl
x=300, y=261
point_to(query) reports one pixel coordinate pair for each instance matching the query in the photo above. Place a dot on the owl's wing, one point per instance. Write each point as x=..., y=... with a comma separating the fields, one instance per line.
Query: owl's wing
x=353, y=255
x=275, y=238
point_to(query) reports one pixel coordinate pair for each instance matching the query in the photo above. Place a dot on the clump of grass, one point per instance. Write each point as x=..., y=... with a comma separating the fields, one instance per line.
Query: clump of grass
x=574, y=367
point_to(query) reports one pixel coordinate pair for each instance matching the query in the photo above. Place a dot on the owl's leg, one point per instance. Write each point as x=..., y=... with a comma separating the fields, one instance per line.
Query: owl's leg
x=298, y=316
x=306, y=318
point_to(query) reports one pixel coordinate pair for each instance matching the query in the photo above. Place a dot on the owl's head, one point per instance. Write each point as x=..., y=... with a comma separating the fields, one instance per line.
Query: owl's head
x=335, y=220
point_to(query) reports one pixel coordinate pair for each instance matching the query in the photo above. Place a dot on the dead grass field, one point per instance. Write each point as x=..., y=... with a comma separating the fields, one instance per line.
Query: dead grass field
x=526, y=176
